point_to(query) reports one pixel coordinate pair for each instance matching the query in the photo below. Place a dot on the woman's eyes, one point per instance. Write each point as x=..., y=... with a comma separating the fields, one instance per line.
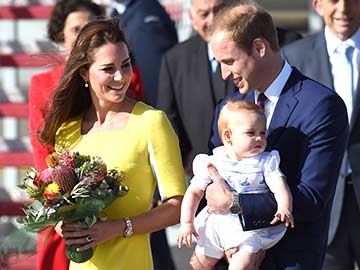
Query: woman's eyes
x=108, y=69
x=112, y=69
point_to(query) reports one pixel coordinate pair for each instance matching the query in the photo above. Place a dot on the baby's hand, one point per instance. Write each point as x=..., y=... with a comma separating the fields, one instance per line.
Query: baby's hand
x=186, y=231
x=284, y=215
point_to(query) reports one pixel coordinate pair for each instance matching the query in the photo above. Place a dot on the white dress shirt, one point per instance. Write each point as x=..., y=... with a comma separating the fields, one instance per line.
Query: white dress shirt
x=273, y=92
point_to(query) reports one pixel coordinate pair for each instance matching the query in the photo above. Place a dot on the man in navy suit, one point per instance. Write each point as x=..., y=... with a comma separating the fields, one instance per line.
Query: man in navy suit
x=315, y=56
x=307, y=124
x=150, y=33
x=190, y=82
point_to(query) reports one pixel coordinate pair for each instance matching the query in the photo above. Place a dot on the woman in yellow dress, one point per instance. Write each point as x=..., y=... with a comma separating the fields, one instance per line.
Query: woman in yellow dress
x=91, y=114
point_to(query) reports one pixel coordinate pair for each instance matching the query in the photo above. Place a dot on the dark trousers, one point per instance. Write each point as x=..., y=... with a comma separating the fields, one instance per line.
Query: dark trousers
x=344, y=250
x=160, y=249
x=162, y=257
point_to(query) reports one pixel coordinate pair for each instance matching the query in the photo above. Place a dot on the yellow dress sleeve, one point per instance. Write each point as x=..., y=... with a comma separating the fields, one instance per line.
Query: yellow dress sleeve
x=165, y=157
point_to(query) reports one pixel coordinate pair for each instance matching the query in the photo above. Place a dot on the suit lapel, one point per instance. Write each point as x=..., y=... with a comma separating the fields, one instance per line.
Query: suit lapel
x=323, y=66
x=316, y=64
x=218, y=85
x=199, y=75
x=221, y=88
x=250, y=97
x=284, y=107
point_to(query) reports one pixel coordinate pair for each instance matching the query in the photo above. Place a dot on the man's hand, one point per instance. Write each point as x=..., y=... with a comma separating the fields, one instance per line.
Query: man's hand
x=218, y=195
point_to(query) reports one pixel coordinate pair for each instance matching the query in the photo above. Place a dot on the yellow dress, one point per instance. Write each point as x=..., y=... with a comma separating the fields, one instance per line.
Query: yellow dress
x=145, y=148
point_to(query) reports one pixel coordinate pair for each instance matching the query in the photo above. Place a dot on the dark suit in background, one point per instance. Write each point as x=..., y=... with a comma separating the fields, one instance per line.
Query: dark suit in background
x=311, y=57
x=286, y=36
x=188, y=94
x=150, y=33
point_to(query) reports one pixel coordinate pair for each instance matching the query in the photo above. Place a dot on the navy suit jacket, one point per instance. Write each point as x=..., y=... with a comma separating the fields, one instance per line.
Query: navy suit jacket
x=309, y=128
x=150, y=33
x=315, y=64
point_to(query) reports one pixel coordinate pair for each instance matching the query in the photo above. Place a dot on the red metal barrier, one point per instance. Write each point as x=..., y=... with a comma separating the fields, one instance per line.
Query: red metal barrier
x=19, y=110
x=25, y=12
x=11, y=208
x=16, y=159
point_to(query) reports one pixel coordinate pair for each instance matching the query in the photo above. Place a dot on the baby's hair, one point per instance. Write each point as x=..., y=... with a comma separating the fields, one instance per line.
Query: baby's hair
x=234, y=106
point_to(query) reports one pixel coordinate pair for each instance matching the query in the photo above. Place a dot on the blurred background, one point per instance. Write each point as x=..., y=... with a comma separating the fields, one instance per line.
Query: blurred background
x=23, y=43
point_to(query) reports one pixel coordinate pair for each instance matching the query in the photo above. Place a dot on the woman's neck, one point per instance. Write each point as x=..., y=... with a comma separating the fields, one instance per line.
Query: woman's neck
x=102, y=118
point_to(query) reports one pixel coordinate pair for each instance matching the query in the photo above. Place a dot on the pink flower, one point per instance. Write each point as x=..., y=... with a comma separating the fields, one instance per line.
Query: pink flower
x=46, y=175
x=66, y=158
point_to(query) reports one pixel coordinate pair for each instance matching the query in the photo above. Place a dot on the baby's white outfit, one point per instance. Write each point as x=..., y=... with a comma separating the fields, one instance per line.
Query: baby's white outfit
x=220, y=232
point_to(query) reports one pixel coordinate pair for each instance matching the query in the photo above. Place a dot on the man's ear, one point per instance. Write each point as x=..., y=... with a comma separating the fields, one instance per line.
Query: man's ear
x=84, y=73
x=259, y=46
x=226, y=136
x=318, y=6
x=191, y=14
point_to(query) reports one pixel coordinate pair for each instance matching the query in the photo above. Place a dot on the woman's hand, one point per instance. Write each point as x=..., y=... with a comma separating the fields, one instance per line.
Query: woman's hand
x=101, y=231
x=218, y=195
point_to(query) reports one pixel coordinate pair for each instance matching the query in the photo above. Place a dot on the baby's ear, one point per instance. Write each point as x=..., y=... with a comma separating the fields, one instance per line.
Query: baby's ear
x=226, y=136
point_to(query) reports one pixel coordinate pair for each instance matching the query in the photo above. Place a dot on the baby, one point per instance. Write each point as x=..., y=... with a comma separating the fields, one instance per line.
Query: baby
x=242, y=162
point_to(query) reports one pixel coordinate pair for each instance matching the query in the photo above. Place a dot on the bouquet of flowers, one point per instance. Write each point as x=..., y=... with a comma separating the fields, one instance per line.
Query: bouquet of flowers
x=75, y=188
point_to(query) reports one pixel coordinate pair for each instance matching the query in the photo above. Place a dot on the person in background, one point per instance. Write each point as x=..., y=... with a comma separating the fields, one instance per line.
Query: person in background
x=67, y=18
x=92, y=115
x=321, y=59
x=307, y=125
x=151, y=33
x=247, y=169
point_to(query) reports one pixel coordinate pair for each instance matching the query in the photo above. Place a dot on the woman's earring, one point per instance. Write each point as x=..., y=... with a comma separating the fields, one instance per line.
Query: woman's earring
x=86, y=85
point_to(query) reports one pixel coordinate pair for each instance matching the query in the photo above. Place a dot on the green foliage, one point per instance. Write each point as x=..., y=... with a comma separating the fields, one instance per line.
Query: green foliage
x=94, y=189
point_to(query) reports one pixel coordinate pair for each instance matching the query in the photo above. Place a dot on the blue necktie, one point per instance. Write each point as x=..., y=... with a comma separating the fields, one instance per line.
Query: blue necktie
x=345, y=87
x=344, y=55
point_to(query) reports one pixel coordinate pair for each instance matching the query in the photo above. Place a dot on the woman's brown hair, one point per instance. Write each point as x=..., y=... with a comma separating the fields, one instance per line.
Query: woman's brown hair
x=71, y=98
